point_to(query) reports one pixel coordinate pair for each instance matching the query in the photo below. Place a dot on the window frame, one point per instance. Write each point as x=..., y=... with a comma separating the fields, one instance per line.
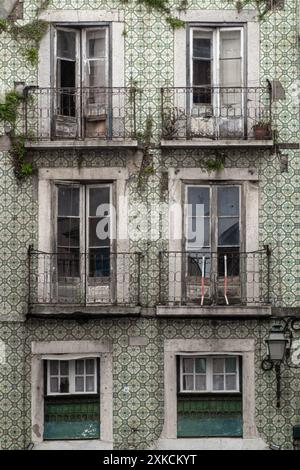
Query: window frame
x=209, y=374
x=72, y=376
x=216, y=29
x=213, y=217
x=84, y=194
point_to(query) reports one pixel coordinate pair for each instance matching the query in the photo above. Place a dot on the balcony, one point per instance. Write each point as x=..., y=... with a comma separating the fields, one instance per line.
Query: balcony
x=216, y=117
x=80, y=117
x=223, y=283
x=99, y=283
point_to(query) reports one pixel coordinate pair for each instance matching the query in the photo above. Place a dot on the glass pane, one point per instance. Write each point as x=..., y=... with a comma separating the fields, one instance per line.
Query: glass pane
x=188, y=382
x=200, y=382
x=231, y=76
x=68, y=262
x=202, y=47
x=218, y=382
x=79, y=367
x=68, y=231
x=66, y=44
x=218, y=365
x=53, y=367
x=68, y=201
x=90, y=384
x=230, y=381
x=200, y=365
x=230, y=364
x=66, y=78
x=196, y=264
x=99, y=201
x=64, y=385
x=64, y=367
x=199, y=196
x=90, y=366
x=96, y=74
x=229, y=232
x=228, y=201
x=95, y=42
x=198, y=232
x=99, y=231
x=99, y=262
x=188, y=365
x=54, y=385
x=79, y=384
x=202, y=77
x=230, y=44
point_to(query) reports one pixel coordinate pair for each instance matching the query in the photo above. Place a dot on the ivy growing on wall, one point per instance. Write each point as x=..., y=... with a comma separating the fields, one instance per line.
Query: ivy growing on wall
x=9, y=115
x=163, y=7
x=263, y=7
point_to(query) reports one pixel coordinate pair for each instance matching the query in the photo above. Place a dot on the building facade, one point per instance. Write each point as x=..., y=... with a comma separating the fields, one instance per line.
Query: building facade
x=174, y=130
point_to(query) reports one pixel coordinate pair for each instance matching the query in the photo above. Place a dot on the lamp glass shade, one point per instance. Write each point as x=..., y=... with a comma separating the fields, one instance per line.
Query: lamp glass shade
x=276, y=344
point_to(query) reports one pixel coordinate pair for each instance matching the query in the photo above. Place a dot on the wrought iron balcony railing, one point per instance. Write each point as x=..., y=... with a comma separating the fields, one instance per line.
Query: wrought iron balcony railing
x=80, y=113
x=84, y=279
x=216, y=113
x=224, y=278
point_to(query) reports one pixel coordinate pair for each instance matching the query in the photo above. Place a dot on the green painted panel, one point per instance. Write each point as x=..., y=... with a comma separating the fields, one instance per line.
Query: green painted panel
x=72, y=419
x=72, y=430
x=209, y=426
x=209, y=417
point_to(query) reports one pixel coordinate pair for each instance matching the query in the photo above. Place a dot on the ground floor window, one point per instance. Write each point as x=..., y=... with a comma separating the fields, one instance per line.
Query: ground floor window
x=72, y=400
x=209, y=396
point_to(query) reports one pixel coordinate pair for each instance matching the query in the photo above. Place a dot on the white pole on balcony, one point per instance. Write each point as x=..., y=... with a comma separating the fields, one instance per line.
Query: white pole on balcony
x=202, y=280
x=225, y=279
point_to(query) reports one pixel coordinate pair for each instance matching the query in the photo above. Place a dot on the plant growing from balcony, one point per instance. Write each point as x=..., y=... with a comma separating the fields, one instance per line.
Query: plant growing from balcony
x=163, y=7
x=262, y=129
x=263, y=7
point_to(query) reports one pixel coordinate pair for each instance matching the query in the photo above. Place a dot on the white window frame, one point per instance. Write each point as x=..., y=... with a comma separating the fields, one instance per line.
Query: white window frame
x=209, y=375
x=215, y=79
x=40, y=351
x=213, y=215
x=84, y=195
x=72, y=376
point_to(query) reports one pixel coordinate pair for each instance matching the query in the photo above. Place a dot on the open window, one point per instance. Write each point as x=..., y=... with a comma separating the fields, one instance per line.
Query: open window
x=217, y=82
x=72, y=398
x=81, y=79
x=209, y=396
x=83, y=266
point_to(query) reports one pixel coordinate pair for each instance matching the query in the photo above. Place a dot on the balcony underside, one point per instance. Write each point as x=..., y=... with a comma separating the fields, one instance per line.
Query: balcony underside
x=213, y=311
x=81, y=144
x=73, y=311
x=204, y=143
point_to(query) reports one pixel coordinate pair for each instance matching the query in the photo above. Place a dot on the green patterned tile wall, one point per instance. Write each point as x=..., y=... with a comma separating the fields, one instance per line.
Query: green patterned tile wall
x=149, y=62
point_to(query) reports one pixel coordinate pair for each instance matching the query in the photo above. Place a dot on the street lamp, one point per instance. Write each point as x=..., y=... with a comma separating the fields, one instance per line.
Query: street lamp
x=277, y=344
x=277, y=350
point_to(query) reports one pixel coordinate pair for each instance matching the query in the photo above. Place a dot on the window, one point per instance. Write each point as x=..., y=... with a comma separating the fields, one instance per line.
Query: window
x=72, y=401
x=84, y=224
x=81, y=78
x=217, y=97
x=216, y=60
x=70, y=377
x=209, y=399
x=213, y=237
x=209, y=374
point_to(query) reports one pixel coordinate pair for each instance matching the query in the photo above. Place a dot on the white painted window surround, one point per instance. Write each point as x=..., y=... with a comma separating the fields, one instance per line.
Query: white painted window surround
x=92, y=17
x=247, y=178
x=246, y=19
x=245, y=348
x=63, y=349
x=47, y=177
